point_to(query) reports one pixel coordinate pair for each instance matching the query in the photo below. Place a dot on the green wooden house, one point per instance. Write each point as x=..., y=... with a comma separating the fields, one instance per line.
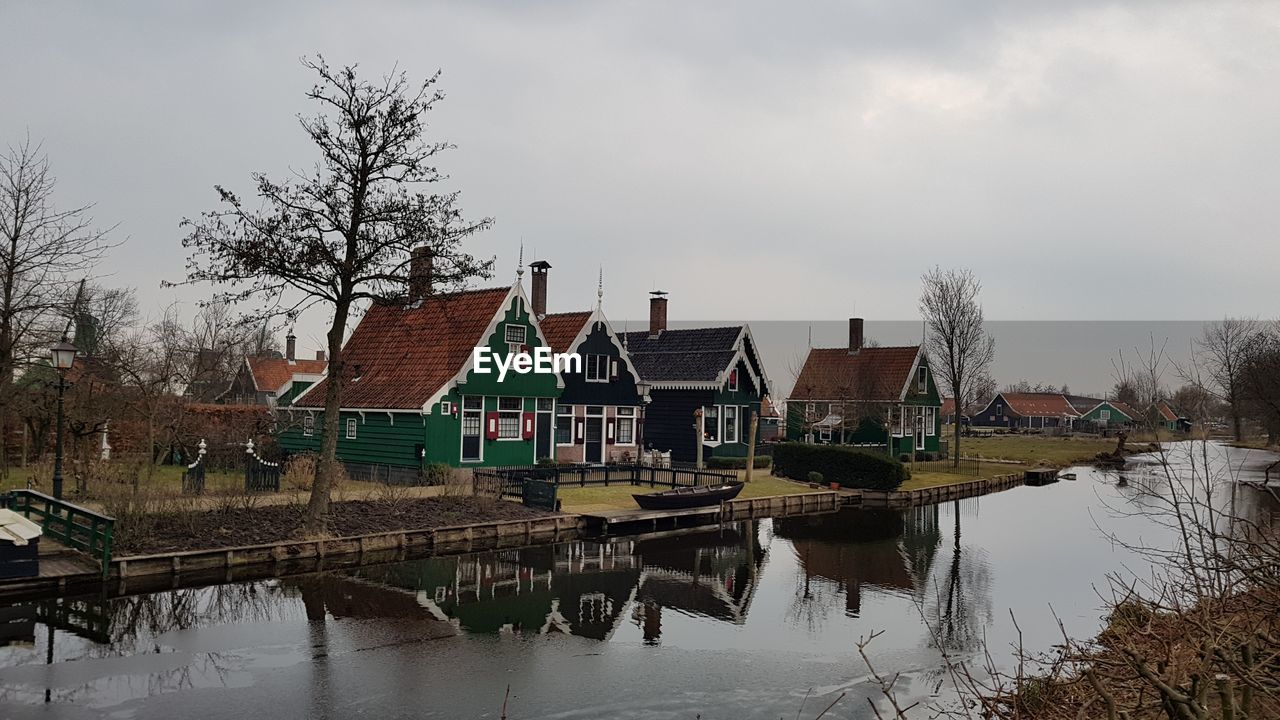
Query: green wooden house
x=412, y=396
x=1109, y=414
x=881, y=398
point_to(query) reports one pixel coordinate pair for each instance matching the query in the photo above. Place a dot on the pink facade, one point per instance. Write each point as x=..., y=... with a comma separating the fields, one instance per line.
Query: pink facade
x=608, y=433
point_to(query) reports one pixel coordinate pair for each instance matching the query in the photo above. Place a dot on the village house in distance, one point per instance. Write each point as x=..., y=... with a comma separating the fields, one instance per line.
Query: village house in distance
x=273, y=380
x=879, y=398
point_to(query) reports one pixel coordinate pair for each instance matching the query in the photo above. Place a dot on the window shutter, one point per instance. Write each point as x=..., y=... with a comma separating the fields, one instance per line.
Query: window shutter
x=613, y=371
x=491, y=425
x=609, y=433
x=528, y=426
x=580, y=437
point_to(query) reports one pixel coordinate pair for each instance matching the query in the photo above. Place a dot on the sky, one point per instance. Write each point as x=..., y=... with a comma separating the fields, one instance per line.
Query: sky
x=759, y=161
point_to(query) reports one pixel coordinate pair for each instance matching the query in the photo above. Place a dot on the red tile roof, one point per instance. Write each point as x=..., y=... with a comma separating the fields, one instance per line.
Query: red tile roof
x=1039, y=405
x=561, y=328
x=873, y=374
x=399, y=356
x=270, y=373
x=1166, y=412
x=1127, y=409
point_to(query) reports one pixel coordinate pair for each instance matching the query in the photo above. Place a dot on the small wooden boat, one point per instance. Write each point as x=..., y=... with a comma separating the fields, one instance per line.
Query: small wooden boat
x=690, y=497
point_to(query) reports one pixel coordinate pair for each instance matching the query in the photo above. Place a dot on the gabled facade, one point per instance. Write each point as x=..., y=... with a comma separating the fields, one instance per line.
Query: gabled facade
x=705, y=385
x=1027, y=410
x=1110, y=414
x=884, y=398
x=600, y=413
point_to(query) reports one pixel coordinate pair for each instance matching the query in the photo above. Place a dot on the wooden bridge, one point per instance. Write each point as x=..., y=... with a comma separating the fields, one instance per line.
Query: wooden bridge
x=74, y=548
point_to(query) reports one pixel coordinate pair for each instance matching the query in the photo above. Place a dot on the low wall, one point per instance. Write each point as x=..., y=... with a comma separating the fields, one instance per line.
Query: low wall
x=779, y=506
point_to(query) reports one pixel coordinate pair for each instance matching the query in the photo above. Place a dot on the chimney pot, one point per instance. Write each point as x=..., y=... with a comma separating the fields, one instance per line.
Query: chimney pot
x=855, y=335
x=421, y=270
x=657, y=312
x=539, y=270
x=320, y=355
x=290, y=346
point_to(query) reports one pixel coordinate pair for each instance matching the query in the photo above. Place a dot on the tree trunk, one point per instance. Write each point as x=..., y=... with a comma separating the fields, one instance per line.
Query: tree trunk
x=1236, y=423
x=955, y=427
x=317, y=514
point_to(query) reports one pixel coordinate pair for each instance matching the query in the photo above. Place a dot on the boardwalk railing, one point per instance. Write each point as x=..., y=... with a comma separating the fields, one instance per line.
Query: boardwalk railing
x=71, y=525
x=508, y=482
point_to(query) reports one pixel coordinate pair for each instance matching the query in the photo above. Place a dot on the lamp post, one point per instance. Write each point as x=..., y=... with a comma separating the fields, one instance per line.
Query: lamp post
x=63, y=355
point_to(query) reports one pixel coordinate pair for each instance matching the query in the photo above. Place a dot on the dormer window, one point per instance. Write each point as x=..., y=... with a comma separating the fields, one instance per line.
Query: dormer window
x=733, y=380
x=515, y=334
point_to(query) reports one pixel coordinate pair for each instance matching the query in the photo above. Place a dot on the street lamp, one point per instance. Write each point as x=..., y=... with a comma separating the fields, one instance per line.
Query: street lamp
x=63, y=355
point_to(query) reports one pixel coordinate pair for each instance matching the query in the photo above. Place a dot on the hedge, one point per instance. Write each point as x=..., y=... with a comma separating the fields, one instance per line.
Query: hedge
x=849, y=467
x=737, y=463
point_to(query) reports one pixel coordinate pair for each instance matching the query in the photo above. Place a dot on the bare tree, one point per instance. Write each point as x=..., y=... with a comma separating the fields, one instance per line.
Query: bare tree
x=959, y=347
x=44, y=249
x=344, y=233
x=1221, y=351
x=1260, y=381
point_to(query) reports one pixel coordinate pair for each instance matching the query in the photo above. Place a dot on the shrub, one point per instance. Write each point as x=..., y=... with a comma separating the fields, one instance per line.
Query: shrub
x=436, y=474
x=737, y=463
x=815, y=477
x=849, y=467
x=299, y=472
x=904, y=458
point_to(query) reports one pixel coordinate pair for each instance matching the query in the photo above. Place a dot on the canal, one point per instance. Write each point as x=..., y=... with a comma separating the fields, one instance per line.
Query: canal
x=749, y=621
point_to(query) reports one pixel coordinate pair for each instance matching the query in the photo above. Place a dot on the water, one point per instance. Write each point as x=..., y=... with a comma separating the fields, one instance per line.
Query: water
x=739, y=623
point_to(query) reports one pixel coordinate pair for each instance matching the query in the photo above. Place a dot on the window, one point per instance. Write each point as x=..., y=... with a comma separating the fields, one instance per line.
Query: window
x=597, y=368
x=999, y=409
x=545, y=404
x=446, y=407
x=711, y=424
x=809, y=411
x=731, y=423
x=509, y=410
x=1105, y=414
x=515, y=334
x=902, y=421
x=309, y=425
x=473, y=402
x=626, y=432
x=930, y=418
x=825, y=434
x=733, y=380
x=351, y=428
x=923, y=382
x=564, y=425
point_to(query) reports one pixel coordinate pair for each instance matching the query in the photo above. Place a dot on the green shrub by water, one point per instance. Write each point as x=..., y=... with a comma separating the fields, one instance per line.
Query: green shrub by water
x=849, y=467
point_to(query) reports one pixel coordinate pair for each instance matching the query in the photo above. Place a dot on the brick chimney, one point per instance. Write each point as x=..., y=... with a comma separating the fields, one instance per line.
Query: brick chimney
x=420, y=271
x=657, y=312
x=539, y=270
x=320, y=355
x=855, y=335
x=290, y=345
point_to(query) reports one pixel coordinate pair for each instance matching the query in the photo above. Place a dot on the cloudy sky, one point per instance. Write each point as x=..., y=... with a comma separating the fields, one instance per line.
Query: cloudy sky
x=757, y=160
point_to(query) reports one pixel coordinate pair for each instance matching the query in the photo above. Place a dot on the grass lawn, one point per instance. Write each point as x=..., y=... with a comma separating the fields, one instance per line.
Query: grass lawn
x=1035, y=449
x=594, y=498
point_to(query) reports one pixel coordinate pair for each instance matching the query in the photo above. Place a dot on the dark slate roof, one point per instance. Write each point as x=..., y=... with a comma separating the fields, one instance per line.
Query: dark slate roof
x=560, y=329
x=690, y=355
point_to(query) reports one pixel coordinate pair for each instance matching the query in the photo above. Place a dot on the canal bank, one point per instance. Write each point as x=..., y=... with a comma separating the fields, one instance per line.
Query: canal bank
x=291, y=557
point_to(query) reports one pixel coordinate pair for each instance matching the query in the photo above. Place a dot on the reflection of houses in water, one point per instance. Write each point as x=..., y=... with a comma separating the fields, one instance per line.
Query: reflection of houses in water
x=583, y=588
x=882, y=549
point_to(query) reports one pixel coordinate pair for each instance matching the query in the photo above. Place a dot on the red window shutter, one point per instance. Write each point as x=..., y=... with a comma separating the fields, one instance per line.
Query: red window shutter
x=527, y=434
x=491, y=425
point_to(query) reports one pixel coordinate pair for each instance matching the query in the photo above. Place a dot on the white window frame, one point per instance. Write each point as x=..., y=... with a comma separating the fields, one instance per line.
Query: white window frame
x=1105, y=414
x=824, y=434
x=629, y=415
x=922, y=379
x=930, y=420
x=717, y=427
x=351, y=428
x=517, y=338
x=504, y=414
x=308, y=425
x=729, y=423
x=563, y=411
x=446, y=407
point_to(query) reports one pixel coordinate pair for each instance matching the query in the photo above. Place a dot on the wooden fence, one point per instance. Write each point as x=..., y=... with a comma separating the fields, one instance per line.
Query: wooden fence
x=508, y=482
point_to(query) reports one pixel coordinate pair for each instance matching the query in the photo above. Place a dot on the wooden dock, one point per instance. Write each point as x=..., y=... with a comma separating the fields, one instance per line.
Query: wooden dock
x=635, y=521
